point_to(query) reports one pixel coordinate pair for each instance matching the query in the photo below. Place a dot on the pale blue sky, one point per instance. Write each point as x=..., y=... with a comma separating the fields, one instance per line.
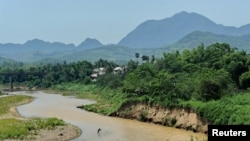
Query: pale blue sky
x=72, y=21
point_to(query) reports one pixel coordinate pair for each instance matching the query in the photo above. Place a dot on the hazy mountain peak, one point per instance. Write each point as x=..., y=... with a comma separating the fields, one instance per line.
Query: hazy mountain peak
x=192, y=17
x=89, y=40
x=35, y=41
x=159, y=33
x=89, y=43
x=185, y=14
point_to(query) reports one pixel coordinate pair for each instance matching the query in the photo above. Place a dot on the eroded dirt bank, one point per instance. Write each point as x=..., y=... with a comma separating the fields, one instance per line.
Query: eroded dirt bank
x=179, y=118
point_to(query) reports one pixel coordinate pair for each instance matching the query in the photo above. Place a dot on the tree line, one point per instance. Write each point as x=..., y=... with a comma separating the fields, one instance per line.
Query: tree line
x=202, y=73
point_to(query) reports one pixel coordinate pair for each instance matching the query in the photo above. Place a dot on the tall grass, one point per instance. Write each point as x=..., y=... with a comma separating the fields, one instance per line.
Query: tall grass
x=22, y=129
x=12, y=129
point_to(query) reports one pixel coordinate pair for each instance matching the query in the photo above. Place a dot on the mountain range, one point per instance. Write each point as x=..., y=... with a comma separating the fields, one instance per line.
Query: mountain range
x=152, y=37
x=158, y=33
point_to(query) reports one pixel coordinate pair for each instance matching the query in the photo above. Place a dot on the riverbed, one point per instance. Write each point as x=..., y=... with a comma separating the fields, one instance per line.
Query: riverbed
x=112, y=128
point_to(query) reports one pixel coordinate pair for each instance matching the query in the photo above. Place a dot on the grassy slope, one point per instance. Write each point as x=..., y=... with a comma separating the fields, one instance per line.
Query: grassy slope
x=232, y=110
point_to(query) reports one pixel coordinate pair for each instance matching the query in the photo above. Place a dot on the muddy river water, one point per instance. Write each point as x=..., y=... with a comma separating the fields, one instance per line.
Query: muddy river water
x=113, y=129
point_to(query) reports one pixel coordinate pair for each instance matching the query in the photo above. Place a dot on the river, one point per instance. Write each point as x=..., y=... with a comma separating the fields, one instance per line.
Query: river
x=113, y=129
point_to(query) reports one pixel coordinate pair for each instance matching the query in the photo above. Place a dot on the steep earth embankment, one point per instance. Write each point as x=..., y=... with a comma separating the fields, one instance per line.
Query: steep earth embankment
x=179, y=118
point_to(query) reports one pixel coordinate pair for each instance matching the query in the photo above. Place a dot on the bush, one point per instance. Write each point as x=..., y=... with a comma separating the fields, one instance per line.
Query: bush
x=143, y=115
x=245, y=80
x=110, y=80
x=208, y=90
x=213, y=84
x=230, y=110
x=173, y=121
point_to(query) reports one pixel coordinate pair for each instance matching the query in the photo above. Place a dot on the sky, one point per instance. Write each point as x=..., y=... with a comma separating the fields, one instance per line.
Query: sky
x=72, y=21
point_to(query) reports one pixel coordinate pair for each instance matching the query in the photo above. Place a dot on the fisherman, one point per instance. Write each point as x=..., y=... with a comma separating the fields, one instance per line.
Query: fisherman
x=99, y=130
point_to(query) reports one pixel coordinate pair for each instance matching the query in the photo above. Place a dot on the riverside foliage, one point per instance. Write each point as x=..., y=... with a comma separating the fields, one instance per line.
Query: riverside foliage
x=201, y=79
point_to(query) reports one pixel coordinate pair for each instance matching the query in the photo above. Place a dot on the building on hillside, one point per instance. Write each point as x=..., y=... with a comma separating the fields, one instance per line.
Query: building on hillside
x=94, y=76
x=97, y=72
x=101, y=71
x=118, y=70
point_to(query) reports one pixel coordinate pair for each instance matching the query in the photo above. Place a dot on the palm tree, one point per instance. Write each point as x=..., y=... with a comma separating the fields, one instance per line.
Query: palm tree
x=137, y=55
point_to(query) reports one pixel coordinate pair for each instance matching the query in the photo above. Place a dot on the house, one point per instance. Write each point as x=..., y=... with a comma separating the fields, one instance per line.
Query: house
x=97, y=72
x=101, y=71
x=118, y=70
x=94, y=76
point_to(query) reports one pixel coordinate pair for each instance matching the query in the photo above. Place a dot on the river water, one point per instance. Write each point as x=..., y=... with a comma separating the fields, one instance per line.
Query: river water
x=113, y=129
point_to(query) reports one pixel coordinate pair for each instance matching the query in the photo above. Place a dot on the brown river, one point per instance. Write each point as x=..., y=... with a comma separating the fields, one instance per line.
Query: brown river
x=113, y=129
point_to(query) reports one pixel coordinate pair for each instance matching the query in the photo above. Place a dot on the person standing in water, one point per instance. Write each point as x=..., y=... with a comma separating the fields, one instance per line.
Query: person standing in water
x=99, y=130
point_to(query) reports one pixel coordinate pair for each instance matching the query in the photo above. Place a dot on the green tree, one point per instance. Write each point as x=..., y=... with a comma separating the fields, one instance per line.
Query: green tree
x=245, y=80
x=137, y=56
x=145, y=58
x=213, y=84
x=138, y=79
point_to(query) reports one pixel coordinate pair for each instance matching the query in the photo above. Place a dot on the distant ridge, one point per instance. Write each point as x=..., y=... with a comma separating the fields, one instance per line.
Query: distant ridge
x=158, y=33
x=35, y=45
x=5, y=60
x=197, y=38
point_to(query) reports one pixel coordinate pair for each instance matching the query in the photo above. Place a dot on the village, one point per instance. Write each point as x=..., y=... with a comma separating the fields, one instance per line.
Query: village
x=101, y=71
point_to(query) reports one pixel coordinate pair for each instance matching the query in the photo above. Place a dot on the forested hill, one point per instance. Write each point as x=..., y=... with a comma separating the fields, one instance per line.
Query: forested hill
x=196, y=38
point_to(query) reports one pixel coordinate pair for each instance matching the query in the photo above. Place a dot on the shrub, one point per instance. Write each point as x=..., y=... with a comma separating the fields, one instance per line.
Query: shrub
x=143, y=115
x=245, y=80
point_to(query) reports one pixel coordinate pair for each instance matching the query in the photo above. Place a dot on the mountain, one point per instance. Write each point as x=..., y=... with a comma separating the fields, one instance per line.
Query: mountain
x=197, y=38
x=152, y=37
x=35, y=45
x=36, y=49
x=46, y=47
x=158, y=33
x=89, y=43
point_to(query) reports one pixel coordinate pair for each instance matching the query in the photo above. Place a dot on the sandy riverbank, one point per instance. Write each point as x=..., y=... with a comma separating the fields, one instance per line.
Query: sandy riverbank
x=60, y=133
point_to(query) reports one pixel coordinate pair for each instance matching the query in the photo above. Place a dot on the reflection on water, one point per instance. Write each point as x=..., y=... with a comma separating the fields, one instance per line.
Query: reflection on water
x=112, y=129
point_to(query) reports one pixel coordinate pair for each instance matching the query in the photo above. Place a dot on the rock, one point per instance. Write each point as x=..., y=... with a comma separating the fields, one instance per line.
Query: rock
x=81, y=106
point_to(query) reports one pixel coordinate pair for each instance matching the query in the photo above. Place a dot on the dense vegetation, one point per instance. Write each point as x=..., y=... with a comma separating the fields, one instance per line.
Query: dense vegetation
x=204, y=79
